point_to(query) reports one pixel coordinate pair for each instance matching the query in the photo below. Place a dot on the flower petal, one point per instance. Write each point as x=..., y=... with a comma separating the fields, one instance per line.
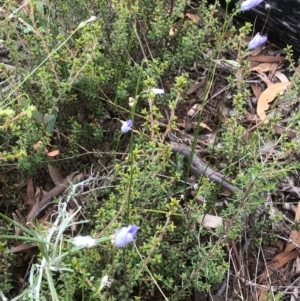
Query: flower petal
x=158, y=91
x=105, y=282
x=248, y=4
x=257, y=41
x=84, y=241
x=126, y=126
x=125, y=235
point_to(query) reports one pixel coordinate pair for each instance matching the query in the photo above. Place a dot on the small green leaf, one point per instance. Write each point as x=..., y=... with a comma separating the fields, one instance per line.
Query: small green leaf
x=51, y=123
x=37, y=116
x=29, y=113
x=47, y=118
x=50, y=126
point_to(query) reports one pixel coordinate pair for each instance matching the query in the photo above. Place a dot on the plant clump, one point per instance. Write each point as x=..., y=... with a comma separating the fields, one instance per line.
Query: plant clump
x=135, y=158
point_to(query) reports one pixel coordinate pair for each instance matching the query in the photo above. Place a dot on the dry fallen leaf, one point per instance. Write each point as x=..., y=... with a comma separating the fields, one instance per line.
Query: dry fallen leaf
x=278, y=261
x=53, y=153
x=268, y=96
x=37, y=145
x=263, y=67
x=193, y=125
x=29, y=200
x=282, y=77
x=205, y=126
x=255, y=90
x=294, y=235
x=266, y=58
x=172, y=31
x=193, y=17
x=55, y=174
x=279, y=129
x=295, y=241
x=22, y=247
x=193, y=110
x=297, y=266
x=47, y=199
x=210, y=221
x=196, y=86
x=282, y=258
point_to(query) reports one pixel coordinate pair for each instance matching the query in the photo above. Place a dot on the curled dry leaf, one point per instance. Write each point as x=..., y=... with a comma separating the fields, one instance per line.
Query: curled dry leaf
x=47, y=199
x=268, y=96
x=205, y=126
x=193, y=17
x=196, y=86
x=282, y=77
x=22, y=247
x=37, y=145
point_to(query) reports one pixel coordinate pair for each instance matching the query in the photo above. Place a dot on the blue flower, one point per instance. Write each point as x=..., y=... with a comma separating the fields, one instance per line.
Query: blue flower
x=248, y=4
x=257, y=41
x=126, y=127
x=125, y=235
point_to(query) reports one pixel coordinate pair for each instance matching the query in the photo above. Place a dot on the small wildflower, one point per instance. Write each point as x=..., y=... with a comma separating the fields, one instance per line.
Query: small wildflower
x=158, y=91
x=257, y=41
x=248, y=4
x=125, y=235
x=131, y=101
x=84, y=241
x=105, y=282
x=127, y=125
x=91, y=19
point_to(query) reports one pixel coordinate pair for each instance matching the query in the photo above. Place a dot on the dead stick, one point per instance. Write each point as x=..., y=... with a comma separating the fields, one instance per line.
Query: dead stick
x=199, y=168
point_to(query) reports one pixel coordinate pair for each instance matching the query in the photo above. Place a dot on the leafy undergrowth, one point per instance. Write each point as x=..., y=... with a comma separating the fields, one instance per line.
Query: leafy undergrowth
x=155, y=114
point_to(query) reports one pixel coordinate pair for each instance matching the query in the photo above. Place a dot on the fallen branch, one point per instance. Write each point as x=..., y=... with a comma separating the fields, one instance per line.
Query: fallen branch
x=199, y=168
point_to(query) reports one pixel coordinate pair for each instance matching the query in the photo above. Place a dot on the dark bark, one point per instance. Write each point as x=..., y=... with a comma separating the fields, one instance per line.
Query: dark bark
x=282, y=25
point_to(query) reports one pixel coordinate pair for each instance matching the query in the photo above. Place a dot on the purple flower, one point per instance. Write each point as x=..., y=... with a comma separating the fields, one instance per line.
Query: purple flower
x=257, y=41
x=125, y=236
x=126, y=127
x=248, y=4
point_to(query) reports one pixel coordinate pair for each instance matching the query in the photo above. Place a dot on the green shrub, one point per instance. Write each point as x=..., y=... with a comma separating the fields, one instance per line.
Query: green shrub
x=70, y=71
